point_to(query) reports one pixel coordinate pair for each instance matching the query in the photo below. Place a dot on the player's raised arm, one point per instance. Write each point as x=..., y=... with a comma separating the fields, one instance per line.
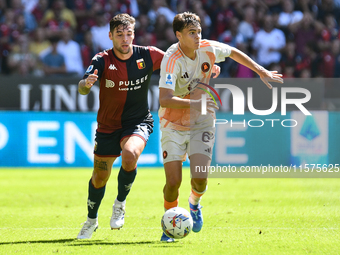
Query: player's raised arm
x=265, y=75
x=85, y=85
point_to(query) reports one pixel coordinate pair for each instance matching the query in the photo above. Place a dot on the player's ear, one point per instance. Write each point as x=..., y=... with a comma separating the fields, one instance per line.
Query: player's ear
x=110, y=35
x=178, y=35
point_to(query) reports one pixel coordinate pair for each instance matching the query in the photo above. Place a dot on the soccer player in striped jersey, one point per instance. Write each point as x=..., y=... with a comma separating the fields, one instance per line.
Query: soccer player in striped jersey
x=124, y=119
x=185, y=71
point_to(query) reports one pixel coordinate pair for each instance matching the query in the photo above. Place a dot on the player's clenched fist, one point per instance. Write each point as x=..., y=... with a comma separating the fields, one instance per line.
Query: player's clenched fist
x=91, y=79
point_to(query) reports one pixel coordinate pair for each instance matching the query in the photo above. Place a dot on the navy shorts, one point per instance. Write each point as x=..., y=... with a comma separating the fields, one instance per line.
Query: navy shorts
x=108, y=144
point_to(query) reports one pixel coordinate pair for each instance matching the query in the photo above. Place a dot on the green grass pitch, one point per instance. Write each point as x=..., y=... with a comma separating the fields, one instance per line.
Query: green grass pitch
x=41, y=211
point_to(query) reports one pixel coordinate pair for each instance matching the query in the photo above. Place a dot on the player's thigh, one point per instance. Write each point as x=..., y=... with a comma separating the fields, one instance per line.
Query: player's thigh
x=174, y=145
x=133, y=139
x=133, y=145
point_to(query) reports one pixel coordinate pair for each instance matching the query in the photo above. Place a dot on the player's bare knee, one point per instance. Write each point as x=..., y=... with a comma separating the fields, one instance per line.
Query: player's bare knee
x=99, y=181
x=199, y=181
x=174, y=183
x=129, y=159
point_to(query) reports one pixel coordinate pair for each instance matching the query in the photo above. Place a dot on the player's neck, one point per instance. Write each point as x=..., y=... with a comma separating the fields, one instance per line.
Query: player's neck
x=190, y=53
x=122, y=56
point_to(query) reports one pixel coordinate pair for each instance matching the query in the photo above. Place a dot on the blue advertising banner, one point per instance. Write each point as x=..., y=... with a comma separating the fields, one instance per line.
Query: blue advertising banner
x=66, y=139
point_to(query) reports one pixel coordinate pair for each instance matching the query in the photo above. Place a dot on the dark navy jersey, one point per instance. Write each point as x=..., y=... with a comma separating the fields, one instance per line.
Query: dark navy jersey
x=124, y=86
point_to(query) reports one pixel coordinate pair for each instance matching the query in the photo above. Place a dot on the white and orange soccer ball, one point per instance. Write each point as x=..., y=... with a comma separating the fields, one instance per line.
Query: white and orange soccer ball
x=177, y=223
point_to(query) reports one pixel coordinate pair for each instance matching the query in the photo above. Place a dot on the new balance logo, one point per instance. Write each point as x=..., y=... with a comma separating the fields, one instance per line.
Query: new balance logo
x=112, y=67
x=185, y=75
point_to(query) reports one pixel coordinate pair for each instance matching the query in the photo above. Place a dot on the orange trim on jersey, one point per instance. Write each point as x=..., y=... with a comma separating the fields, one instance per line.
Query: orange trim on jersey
x=206, y=44
x=171, y=62
x=168, y=205
x=172, y=66
x=167, y=123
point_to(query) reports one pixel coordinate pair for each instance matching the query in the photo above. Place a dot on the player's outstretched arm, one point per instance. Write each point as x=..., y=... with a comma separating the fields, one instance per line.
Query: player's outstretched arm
x=265, y=75
x=168, y=100
x=85, y=85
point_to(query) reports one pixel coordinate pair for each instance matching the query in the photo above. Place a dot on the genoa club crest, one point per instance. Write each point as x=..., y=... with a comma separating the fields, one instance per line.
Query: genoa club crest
x=140, y=63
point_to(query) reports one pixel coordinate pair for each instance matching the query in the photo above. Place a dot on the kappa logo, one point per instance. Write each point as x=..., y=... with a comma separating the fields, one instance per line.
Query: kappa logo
x=90, y=203
x=185, y=75
x=112, y=67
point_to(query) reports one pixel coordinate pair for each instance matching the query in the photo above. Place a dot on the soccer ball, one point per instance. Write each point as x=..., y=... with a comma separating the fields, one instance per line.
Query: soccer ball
x=177, y=223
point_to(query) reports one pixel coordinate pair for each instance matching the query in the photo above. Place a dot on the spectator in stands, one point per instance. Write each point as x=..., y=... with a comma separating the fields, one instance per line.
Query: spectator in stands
x=311, y=59
x=3, y=7
x=336, y=52
x=306, y=30
x=54, y=62
x=58, y=18
x=37, y=45
x=288, y=15
x=205, y=18
x=288, y=70
x=6, y=29
x=328, y=33
x=289, y=54
x=221, y=17
x=40, y=10
x=268, y=42
x=246, y=26
x=71, y=51
x=229, y=68
x=161, y=25
x=100, y=32
x=20, y=60
x=159, y=7
x=39, y=42
x=329, y=60
x=87, y=50
x=29, y=20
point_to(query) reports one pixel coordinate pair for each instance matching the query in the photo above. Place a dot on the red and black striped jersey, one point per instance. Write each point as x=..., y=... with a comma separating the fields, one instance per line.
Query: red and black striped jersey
x=123, y=96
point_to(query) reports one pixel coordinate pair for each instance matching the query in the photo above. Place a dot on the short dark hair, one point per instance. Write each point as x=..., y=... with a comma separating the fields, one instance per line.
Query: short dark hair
x=121, y=19
x=184, y=20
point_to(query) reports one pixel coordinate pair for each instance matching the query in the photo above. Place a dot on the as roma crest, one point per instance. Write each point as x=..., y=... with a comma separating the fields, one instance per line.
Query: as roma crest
x=205, y=67
x=140, y=63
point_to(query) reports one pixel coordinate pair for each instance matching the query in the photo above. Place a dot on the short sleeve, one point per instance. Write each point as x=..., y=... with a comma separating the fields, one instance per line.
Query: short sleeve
x=168, y=75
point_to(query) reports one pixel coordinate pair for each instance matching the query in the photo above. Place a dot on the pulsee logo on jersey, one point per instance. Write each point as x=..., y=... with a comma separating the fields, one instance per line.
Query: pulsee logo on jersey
x=239, y=104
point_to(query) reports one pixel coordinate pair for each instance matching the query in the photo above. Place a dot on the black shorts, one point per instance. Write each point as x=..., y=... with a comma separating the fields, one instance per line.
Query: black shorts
x=108, y=144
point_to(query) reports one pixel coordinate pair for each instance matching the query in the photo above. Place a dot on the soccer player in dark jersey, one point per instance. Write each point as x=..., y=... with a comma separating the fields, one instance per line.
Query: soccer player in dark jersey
x=124, y=119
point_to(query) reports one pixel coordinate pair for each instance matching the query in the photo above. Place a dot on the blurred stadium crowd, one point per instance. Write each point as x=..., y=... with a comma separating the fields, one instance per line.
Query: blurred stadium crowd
x=299, y=38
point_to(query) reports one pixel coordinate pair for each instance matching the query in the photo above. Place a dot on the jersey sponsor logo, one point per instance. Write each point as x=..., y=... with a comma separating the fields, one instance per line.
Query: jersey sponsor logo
x=112, y=67
x=140, y=63
x=208, y=150
x=109, y=84
x=205, y=67
x=185, y=75
x=135, y=82
x=168, y=79
x=89, y=69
